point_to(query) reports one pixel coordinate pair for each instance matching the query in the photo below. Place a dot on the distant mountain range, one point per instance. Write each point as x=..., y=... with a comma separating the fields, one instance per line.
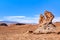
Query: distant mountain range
x=13, y=22
x=8, y=22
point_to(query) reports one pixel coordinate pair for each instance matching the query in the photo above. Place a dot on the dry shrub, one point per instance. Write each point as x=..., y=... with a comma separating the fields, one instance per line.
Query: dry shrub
x=20, y=24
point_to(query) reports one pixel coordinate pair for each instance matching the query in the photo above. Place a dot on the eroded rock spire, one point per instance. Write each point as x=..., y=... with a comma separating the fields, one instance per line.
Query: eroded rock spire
x=45, y=23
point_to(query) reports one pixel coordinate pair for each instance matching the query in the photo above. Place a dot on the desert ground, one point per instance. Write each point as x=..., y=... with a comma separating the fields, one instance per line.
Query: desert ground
x=21, y=32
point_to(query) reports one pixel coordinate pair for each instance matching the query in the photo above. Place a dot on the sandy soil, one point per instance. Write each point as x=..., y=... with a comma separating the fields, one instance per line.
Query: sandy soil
x=21, y=33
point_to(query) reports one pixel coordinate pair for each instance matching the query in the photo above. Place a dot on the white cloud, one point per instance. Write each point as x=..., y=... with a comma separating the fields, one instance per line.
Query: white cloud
x=22, y=19
x=26, y=19
x=57, y=19
x=13, y=17
x=1, y=20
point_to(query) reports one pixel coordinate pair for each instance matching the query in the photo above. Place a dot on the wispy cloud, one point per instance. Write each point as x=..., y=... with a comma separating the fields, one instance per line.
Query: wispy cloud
x=26, y=19
x=1, y=20
x=56, y=19
x=22, y=19
x=13, y=17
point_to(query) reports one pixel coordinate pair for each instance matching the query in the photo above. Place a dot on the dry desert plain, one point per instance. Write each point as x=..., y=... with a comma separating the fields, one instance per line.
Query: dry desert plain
x=20, y=32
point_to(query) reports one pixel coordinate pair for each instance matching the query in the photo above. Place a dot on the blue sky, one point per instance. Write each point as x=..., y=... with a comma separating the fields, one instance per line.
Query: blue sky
x=27, y=10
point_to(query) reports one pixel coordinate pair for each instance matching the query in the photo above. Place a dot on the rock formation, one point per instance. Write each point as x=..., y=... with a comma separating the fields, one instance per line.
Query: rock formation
x=41, y=20
x=45, y=23
x=48, y=17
